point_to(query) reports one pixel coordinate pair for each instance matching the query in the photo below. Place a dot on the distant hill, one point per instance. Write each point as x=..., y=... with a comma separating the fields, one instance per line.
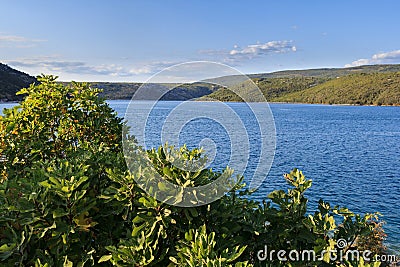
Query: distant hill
x=326, y=73
x=330, y=72
x=180, y=93
x=11, y=81
x=358, y=89
x=270, y=87
x=286, y=86
x=364, y=85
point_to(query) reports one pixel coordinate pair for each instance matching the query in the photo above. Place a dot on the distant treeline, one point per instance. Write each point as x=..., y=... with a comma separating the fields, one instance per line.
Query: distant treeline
x=180, y=92
x=363, y=85
x=355, y=89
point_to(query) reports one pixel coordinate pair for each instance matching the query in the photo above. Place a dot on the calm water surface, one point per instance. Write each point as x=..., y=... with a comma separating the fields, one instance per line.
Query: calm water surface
x=352, y=153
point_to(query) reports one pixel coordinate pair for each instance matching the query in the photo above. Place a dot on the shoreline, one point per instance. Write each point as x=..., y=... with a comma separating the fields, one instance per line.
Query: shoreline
x=269, y=102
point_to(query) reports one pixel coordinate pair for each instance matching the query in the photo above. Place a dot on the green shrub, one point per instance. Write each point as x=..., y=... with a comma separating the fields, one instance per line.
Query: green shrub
x=68, y=199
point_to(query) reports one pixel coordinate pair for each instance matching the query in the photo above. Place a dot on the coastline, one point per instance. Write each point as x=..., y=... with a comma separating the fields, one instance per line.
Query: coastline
x=269, y=102
x=298, y=103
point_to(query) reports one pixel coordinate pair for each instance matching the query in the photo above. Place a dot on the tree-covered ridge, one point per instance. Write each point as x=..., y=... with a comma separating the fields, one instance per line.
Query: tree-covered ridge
x=11, y=81
x=364, y=85
x=330, y=72
x=270, y=87
x=359, y=89
x=178, y=92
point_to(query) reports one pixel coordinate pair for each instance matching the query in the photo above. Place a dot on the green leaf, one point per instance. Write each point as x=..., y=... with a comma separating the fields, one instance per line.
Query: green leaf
x=59, y=213
x=167, y=172
x=105, y=258
x=162, y=186
x=6, y=251
x=67, y=263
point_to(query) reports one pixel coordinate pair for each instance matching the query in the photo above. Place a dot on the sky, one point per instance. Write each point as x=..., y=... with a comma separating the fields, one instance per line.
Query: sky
x=129, y=41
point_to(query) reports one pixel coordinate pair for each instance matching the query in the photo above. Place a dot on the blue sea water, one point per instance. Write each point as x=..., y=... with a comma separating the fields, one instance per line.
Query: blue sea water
x=351, y=153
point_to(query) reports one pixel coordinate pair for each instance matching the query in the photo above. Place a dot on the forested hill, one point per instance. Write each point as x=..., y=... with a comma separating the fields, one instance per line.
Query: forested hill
x=180, y=93
x=11, y=81
x=358, y=89
x=364, y=85
x=330, y=72
x=292, y=86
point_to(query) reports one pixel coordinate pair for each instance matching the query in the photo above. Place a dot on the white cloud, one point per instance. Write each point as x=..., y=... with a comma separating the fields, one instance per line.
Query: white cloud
x=79, y=70
x=380, y=58
x=17, y=41
x=266, y=48
x=12, y=38
x=387, y=56
x=239, y=54
x=152, y=67
x=49, y=64
x=55, y=65
x=62, y=67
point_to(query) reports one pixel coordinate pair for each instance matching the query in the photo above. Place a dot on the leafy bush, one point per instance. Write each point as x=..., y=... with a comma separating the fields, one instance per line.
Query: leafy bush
x=56, y=147
x=68, y=199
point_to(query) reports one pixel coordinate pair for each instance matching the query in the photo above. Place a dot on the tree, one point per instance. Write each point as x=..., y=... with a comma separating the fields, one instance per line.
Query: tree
x=56, y=147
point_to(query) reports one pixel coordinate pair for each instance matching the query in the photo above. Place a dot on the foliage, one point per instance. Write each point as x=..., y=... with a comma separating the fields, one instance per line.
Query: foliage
x=199, y=249
x=68, y=199
x=55, y=120
x=375, y=238
x=56, y=147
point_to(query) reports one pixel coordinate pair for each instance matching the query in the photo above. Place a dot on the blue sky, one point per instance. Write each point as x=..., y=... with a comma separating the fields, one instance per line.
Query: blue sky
x=132, y=40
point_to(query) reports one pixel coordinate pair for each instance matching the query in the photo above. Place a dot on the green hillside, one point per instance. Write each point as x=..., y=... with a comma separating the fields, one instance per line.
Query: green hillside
x=112, y=90
x=318, y=73
x=180, y=93
x=11, y=81
x=330, y=72
x=270, y=87
x=358, y=89
x=365, y=85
